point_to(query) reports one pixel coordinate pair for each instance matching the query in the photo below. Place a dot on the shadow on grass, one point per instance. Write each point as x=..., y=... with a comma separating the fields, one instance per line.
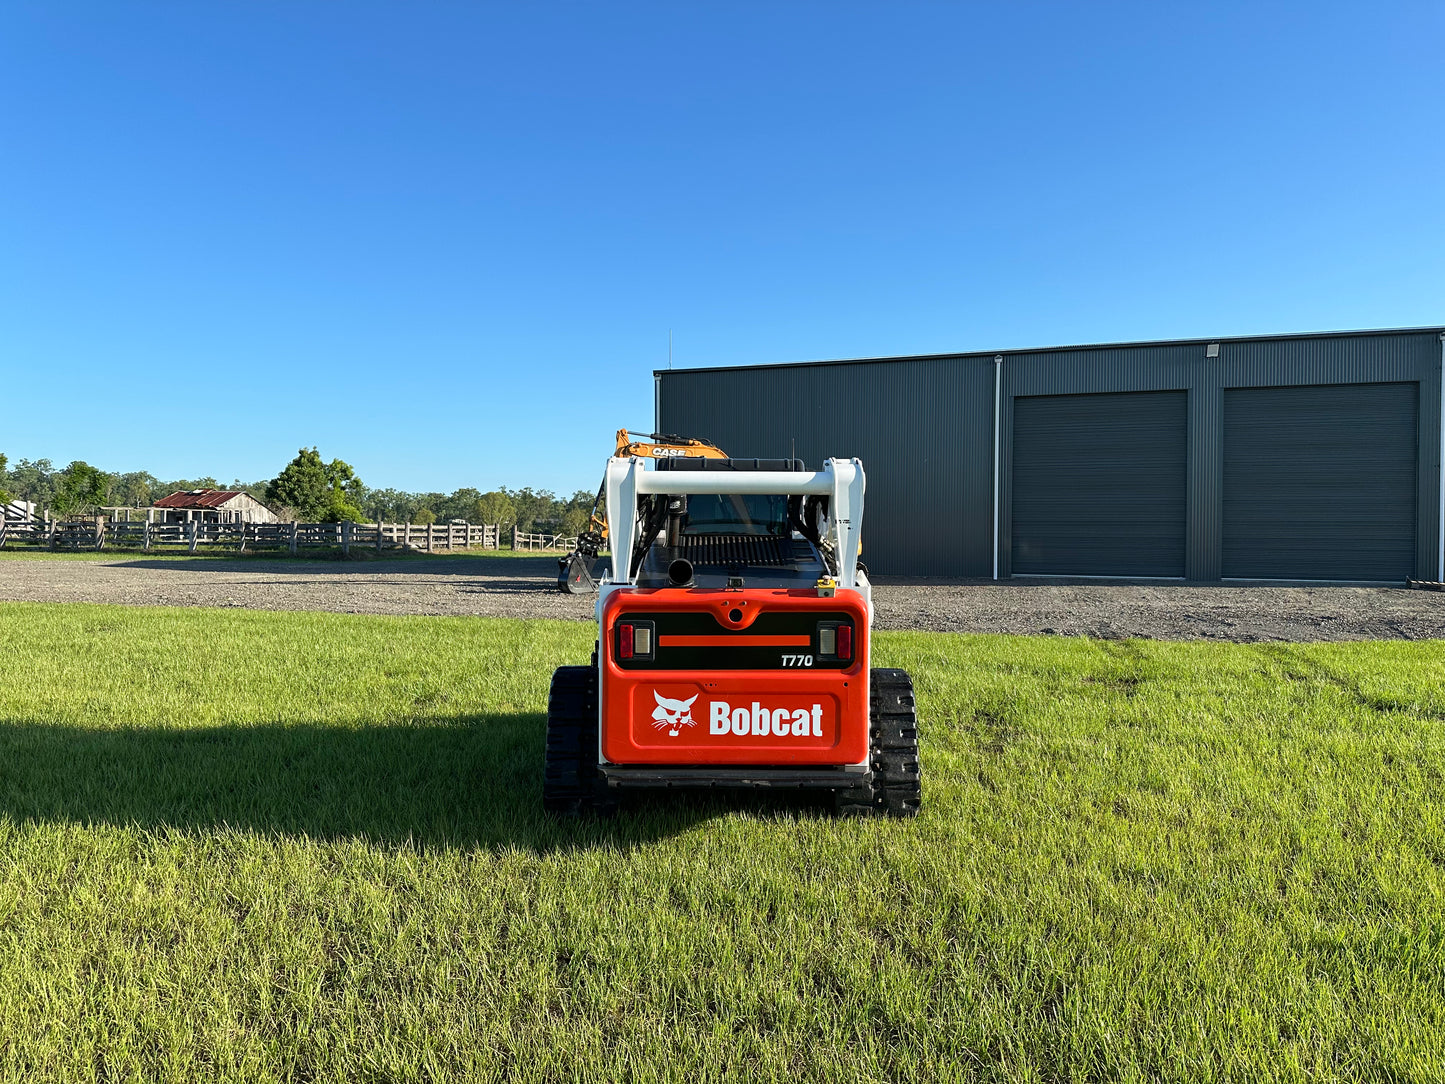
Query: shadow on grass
x=437, y=783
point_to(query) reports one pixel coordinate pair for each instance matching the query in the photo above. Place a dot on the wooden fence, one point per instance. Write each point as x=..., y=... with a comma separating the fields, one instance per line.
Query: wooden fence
x=537, y=540
x=98, y=534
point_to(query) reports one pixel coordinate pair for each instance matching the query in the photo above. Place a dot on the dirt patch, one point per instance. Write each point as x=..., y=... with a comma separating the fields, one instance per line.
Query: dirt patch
x=1165, y=612
x=523, y=587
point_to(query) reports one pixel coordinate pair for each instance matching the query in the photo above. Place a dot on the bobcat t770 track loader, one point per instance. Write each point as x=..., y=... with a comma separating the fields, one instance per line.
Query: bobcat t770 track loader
x=733, y=644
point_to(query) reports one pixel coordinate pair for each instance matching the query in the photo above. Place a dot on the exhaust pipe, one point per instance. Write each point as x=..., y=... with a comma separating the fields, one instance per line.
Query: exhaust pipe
x=679, y=573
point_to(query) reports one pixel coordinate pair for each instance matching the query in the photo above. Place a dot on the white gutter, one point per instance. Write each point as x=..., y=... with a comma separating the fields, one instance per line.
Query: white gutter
x=1440, y=529
x=657, y=400
x=997, y=417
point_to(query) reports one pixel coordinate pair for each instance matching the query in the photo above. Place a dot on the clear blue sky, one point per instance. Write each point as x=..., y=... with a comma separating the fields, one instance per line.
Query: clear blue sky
x=446, y=242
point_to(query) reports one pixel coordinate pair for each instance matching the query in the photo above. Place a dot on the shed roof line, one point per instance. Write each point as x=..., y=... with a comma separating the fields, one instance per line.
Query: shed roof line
x=198, y=498
x=989, y=355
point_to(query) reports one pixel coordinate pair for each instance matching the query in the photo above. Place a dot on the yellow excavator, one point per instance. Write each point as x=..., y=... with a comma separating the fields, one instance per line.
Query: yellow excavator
x=574, y=571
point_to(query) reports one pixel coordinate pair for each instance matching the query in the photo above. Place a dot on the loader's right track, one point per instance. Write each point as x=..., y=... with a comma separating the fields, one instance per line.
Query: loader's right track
x=894, y=785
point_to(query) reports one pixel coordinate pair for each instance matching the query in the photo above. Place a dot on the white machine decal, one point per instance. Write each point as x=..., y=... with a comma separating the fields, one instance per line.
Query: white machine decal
x=671, y=714
x=762, y=721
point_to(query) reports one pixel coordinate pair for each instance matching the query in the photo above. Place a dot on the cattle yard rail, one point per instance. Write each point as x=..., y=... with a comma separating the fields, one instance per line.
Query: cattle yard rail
x=99, y=534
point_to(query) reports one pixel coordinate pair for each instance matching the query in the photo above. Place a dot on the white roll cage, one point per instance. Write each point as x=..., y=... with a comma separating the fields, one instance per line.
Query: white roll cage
x=840, y=480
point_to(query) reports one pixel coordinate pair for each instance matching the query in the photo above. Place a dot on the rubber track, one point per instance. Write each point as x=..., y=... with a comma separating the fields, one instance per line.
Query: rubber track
x=894, y=786
x=571, y=786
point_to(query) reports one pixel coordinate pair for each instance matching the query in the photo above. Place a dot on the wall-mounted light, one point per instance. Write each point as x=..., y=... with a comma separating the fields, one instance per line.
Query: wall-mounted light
x=1212, y=350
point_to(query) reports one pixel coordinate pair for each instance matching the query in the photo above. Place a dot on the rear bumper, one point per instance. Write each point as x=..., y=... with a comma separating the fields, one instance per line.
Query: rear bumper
x=618, y=775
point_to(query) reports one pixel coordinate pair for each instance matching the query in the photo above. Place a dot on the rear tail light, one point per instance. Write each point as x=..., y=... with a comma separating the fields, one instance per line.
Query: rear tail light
x=835, y=640
x=635, y=640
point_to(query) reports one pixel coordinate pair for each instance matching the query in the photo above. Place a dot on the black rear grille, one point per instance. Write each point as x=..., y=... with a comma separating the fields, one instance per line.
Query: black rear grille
x=736, y=549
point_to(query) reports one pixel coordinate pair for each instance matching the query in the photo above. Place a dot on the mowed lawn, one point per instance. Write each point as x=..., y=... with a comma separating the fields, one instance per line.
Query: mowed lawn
x=247, y=846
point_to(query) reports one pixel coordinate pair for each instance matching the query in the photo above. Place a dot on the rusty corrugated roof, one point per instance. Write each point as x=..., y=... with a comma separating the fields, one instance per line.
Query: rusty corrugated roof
x=197, y=498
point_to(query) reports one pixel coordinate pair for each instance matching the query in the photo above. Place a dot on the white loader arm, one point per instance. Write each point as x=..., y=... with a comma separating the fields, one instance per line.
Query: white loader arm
x=840, y=480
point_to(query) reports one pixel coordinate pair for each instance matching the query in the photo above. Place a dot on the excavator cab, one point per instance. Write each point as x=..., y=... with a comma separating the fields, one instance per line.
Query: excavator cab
x=734, y=641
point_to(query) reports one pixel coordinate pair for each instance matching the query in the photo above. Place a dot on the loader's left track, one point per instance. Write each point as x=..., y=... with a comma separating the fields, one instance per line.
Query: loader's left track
x=572, y=786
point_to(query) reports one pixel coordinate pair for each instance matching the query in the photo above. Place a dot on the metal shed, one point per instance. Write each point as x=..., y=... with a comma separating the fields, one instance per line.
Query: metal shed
x=1299, y=457
x=212, y=506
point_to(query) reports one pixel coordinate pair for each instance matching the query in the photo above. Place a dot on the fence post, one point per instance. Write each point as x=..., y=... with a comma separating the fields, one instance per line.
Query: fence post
x=293, y=538
x=430, y=537
x=50, y=533
x=378, y=536
x=514, y=536
x=4, y=527
x=346, y=539
x=194, y=527
x=100, y=533
x=146, y=538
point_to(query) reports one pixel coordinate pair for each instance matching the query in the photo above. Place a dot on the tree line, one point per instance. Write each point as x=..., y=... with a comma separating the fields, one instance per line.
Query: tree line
x=309, y=489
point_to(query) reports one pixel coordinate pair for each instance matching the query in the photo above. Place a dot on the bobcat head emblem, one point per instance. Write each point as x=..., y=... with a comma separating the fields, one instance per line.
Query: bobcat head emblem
x=671, y=714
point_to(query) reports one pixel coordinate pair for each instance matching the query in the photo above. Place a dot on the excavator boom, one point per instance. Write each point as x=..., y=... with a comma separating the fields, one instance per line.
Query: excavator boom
x=663, y=446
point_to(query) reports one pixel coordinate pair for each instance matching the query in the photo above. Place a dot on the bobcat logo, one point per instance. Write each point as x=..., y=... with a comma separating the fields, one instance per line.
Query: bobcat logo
x=671, y=714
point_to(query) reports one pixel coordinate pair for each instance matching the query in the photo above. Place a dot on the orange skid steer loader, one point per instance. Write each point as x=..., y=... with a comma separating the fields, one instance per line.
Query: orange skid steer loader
x=734, y=635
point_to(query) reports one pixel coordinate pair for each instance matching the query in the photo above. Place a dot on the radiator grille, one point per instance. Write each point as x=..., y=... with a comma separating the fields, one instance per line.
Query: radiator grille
x=736, y=549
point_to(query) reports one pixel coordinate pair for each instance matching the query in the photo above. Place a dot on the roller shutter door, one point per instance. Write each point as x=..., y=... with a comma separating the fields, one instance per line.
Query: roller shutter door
x=1319, y=482
x=1099, y=484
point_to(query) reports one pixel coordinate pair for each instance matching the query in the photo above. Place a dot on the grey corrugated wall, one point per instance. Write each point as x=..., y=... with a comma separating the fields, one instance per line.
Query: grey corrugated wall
x=924, y=428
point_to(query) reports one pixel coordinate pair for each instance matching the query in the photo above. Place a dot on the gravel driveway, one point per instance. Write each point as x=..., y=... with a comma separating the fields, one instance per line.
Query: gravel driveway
x=523, y=587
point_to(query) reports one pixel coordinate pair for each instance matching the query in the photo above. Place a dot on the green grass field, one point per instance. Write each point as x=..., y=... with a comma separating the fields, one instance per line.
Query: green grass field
x=248, y=846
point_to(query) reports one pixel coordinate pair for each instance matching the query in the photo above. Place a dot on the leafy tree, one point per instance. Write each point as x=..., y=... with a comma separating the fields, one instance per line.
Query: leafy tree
x=302, y=485
x=459, y=505
x=576, y=513
x=494, y=507
x=389, y=505
x=181, y=485
x=325, y=492
x=138, y=489
x=82, y=487
x=342, y=503
x=423, y=516
x=254, y=489
x=5, y=497
x=340, y=508
x=33, y=480
x=573, y=521
x=534, y=509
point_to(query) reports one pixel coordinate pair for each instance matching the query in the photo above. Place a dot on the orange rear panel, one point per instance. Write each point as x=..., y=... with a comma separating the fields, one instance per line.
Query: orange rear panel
x=734, y=677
